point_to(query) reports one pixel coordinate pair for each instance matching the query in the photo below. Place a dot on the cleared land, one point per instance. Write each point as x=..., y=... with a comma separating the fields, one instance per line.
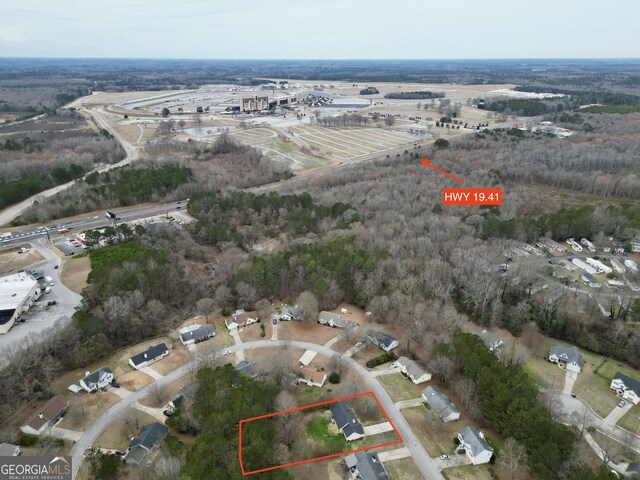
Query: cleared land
x=401, y=388
x=11, y=261
x=118, y=432
x=74, y=272
x=403, y=469
x=631, y=420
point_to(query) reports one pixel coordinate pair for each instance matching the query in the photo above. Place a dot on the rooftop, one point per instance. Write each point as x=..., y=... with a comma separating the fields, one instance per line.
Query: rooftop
x=149, y=353
x=14, y=289
x=47, y=412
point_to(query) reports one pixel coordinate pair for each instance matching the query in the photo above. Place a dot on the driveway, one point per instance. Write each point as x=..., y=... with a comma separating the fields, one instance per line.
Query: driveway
x=151, y=372
x=617, y=413
x=569, y=379
x=396, y=454
x=386, y=371
x=452, y=461
x=65, y=433
x=422, y=460
x=414, y=402
x=154, y=412
x=378, y=428
x=238, y=341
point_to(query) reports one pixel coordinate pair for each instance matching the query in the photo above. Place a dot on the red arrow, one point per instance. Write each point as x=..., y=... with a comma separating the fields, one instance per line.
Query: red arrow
x=426, y=163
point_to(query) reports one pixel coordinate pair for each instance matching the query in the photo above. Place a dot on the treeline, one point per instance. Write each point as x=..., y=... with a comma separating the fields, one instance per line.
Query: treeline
x=583, y=97
x=616, y=109
x=421, y=95
x=225, y=397
x=344, y=120
x=333, y=270
x=18, y=190
x=527, y=108
x=243, y=217
x=508, y=398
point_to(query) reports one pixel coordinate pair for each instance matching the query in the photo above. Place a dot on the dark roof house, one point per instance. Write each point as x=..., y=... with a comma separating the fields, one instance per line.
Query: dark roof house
x=197, y=334
x=46, y=416
x=149, y=437
x=346, y=421
x=247, y=368
x=365, y=466
x=150, y=355
x=382, y=340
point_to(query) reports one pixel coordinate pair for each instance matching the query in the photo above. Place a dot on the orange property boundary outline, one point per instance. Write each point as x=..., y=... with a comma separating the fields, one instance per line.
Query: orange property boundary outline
x=373, y=395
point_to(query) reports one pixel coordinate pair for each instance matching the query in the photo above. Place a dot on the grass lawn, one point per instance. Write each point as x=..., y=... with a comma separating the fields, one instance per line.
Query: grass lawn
x=618, y=451
x=403, y=469
x=435, y=436
x=479, y=472
x=400, y=388
x=594, y=389
x=611, y=367
x=631, y=420
x=318, y=430
x=543, y=373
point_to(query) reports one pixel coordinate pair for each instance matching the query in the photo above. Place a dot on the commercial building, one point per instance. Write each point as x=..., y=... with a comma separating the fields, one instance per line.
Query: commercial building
x=17, y=294
x=254, y=103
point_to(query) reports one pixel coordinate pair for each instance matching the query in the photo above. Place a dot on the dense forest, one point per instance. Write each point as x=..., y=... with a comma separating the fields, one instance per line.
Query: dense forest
x=421, y=95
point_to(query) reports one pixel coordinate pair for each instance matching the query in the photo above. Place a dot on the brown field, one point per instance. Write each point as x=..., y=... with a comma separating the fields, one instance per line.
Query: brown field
x=74, y=272
x=167, y=392
x=134, y=380
x=11, y=261
x=85, y=408
x=117, y=433
x=177, y=357
x=402, y=469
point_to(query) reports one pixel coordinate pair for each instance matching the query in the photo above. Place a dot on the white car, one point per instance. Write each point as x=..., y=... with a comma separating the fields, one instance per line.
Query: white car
x=444, y=457
x=226, y=352
x=359, y=344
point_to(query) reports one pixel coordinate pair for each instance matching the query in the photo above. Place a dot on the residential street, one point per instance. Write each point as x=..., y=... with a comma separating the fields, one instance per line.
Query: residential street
x=422, y=460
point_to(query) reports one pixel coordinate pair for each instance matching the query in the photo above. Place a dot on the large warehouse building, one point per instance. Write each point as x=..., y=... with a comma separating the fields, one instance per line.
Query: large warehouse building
x=17, y=293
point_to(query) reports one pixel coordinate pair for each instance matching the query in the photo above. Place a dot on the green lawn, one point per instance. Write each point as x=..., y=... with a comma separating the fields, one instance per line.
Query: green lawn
x=545, y=373
x=594, y=389
x=611, y=367
x=631, y=420
x=318, y=430
x=479, y=472
x=401, y=388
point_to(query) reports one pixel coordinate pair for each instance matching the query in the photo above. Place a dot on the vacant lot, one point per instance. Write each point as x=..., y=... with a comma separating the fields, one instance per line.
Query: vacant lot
x=167, y=392
x=118, y=432
x=400, y=387
x=306, y=332
x=74, y=272
x=134, y=380
x=616, y=450
x=545, y=373
x=480, y=472
x=631, y=420
x=85, y=408
x=403, y=469
x=11, y=260
x=346, y=143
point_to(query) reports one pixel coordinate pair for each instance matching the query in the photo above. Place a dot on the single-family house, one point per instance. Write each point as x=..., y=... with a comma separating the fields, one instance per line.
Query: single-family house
x=311, y=377
x=626, y=387
x=413, y=370
x=96, y=380
x=492, y=342
x=334, y=320
x=307, y=357
x=346, y=421
x=383, y=340
x=569, y=358
x=196, y=333
x=150, y=355
x=241, y=319
x=475, y=446
x=247, y=368
x=147, y=440
x=46, y=416
x=440, y=404
x=590, y=280
x=186, y=394
x=365, y=466
x=288, y=313
x=9, y=450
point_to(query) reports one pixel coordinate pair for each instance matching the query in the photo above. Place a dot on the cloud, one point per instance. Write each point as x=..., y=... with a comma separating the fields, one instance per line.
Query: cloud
x=11, y=35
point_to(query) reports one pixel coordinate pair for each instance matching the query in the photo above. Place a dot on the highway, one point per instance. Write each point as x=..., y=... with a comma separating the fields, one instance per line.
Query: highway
x=422, y=460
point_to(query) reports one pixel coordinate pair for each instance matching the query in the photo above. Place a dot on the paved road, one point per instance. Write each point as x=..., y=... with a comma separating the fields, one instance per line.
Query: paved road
x=573, y=410
x=67, y=301
x=424, y=463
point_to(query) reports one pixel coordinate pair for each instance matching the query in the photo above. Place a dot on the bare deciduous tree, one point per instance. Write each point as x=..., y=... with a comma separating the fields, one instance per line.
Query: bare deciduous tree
x=308, y=306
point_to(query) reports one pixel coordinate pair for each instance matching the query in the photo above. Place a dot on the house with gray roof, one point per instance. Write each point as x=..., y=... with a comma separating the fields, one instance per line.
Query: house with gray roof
x=187, y=394
x=383, y=340
x=365, y=466
x=346, y=421
x=412, y=370
x=150, y=355
x=440, y=404
x=147, y=440
x=475, y=446
x=627, y=387
x=196, y=333
x=289, y=313
x=334, y=320
x=569, y=358
x=247, y=368
x=96, y=380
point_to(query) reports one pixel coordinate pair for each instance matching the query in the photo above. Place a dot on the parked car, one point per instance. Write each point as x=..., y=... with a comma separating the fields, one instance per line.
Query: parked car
x=55, y=267
x=359, y=344
x=167, y=413
x=621, y=403
x=47, y=290
x=115, y=384
x=226, y=352
x=573, y=395
x=444, y=457
x=121, y=453
x=274, y=321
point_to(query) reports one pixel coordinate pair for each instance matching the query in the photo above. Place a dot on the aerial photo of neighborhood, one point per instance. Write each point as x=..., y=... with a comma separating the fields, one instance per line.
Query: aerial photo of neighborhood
x=319, y=241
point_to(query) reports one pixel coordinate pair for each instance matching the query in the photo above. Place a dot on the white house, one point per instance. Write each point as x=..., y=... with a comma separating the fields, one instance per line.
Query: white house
x=626, y=387
x=334, y=320
x=150, y=355
x=288, y=313
x=96, y=380
x=413, y=370
x=241, y=319
x=17, y=293
x=311, y=377
x=475, y=446
x=383, y=340
x=569, y=358
x=440, y=404
x=346, y=421
x=196, y=333
x=46, y=416
x=590, y=280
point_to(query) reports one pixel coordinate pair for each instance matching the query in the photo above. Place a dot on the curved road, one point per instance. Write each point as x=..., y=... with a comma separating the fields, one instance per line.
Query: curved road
x=422, y=460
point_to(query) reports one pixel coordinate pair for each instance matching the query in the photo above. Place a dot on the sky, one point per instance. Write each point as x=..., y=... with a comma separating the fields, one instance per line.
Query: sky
x=320, y=29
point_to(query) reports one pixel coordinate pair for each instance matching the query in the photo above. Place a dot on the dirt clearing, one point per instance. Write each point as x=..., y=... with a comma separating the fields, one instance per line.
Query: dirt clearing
x=74, y=273
x=12, y=260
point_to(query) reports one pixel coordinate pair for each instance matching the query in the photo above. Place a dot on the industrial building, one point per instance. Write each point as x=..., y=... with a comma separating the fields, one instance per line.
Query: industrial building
x=17, y=294
x=254, y=103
